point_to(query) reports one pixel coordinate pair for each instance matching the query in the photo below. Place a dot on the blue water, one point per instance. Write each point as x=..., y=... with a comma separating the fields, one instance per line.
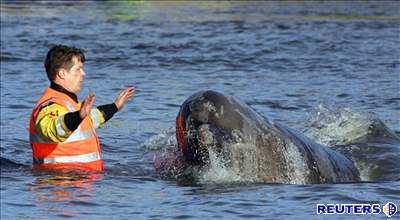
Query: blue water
x=282, y=58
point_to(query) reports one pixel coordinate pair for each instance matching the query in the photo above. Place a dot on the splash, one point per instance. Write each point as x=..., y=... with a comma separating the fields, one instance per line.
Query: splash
x=361, y=137
x=297, y=165
x=342, y=126
x=162, y=140
x=217, y=171
x=239, y=166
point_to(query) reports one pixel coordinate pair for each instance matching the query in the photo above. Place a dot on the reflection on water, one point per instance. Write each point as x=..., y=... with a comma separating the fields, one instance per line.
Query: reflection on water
x=61, y=186
x=283, y=58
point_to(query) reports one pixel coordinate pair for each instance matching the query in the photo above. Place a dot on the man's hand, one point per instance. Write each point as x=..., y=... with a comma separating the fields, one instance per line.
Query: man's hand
x=123, y=97
x=87, y=105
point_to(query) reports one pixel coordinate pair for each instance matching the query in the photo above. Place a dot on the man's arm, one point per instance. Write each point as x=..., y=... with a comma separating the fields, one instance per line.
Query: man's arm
x=104, y=113
x=55, y=123
x=50, y=123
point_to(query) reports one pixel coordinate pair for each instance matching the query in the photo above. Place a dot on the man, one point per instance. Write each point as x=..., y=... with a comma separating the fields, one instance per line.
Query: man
x=62, y=129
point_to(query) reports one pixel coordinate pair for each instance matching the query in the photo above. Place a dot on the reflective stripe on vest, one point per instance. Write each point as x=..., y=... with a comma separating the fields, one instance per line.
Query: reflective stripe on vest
x=60, y=130
x=94, y=115
x=77, y=135
x=69, y=106
x=83, y=158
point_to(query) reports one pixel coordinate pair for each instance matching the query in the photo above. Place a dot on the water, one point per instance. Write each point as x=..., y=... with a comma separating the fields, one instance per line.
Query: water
x=282, y=58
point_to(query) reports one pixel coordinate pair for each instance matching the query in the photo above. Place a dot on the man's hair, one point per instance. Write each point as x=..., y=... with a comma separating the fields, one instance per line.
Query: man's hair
x=60, y=56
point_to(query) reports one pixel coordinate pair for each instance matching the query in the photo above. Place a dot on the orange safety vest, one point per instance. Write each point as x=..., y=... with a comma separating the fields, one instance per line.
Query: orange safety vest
x=81, y=150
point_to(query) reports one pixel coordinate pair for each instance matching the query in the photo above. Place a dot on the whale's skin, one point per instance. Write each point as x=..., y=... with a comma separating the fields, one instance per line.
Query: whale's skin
x=209, y=121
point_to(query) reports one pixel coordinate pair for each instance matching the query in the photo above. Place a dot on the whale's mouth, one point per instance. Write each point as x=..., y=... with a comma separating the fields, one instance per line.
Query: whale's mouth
x=181, y=133
x=192, y=148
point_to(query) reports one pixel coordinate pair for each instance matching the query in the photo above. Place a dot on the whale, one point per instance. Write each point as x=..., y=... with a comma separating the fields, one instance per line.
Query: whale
x=362, y=137
x=213, y=126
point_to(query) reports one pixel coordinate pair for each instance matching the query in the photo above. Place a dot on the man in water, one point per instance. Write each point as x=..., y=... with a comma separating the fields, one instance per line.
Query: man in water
x=62, y=129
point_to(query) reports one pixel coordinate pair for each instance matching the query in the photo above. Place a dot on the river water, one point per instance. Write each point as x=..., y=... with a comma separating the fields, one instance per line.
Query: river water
x=284, y=59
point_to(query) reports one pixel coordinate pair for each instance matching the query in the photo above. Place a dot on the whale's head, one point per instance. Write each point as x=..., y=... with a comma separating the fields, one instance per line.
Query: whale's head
x=209, y=120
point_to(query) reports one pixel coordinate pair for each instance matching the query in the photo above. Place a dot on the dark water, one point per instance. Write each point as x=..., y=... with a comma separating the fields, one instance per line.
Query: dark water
x=283, y=59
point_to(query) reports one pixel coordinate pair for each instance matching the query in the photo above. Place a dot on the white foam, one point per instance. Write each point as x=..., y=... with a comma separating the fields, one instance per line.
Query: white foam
x=298, y=168
x=337, y=127
x=216, y=172
x=236, y=162
x=163, y=139
x=364, y=169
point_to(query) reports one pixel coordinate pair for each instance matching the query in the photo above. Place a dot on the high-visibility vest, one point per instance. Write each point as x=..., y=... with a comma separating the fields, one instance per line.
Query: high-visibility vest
x=81, y=150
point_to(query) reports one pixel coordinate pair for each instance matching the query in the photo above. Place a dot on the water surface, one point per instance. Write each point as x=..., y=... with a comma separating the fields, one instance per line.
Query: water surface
x=282, y=58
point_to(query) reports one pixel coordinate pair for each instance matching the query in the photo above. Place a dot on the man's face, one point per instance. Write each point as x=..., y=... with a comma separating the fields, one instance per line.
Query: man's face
x=75, y=75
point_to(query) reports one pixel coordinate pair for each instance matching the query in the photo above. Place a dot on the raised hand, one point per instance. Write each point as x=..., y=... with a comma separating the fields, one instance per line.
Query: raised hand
x=87, y=105
x=124, y=96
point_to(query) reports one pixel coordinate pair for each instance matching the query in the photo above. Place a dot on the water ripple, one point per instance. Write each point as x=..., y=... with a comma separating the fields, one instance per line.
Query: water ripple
x=283, y=58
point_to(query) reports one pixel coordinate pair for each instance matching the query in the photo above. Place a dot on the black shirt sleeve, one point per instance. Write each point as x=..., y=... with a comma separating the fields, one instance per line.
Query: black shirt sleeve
x=108, y=110
x=72, y=119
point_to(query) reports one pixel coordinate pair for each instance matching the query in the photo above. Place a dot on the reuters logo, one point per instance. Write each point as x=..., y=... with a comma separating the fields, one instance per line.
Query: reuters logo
x=389, y=209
